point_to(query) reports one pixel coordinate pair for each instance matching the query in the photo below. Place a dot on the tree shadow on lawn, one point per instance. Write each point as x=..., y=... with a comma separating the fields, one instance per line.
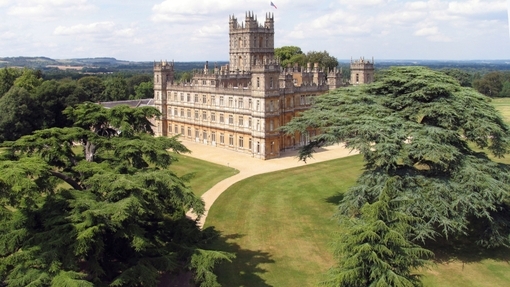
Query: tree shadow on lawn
x=465, y=251
x=335, y=199
x=245, y=269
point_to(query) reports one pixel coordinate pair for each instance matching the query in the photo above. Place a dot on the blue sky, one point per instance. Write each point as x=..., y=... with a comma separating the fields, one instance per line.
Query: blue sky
x=197, y=30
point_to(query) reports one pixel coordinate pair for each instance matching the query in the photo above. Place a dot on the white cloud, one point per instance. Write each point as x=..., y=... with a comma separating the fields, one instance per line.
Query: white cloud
x=4, y=3
x=93, y=28
x=47, y=8
x=475, y=7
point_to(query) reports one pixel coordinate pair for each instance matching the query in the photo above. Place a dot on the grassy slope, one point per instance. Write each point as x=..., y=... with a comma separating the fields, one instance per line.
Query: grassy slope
x=280, y=226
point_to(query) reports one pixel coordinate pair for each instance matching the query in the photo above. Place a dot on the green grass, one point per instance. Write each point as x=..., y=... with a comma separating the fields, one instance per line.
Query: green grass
x=503, y=106
x=206, y=174
x=280, y=224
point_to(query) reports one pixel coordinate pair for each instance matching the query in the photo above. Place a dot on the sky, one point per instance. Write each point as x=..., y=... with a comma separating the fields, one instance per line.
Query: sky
x=197, y=30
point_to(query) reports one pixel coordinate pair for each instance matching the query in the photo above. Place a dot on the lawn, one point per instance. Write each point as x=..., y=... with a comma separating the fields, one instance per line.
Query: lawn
x=206, y=174
x=503, y=106
x=280, y=224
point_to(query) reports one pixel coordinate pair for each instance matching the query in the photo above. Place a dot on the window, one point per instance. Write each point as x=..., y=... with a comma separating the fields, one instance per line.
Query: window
x=175, y=112
x=249, y=122
x=182, y=130
x=258, y=105
x=196, y=98
x=204, y=135
x=258, y=82
x=241, y=121
x=203, y=82
x=182, y=97
x=222, y=138
x=271, y=105
x=230, y=101
x=241, y=142
x=196, y=114
x=189, y=113
x=271, y=82
x=240, y=103
x=188, y=98
x=302, y=100
x=204, y=115
x=230, y=119
x=204, y=99
x=221, y=101
x=308, y=99
x=250, y=104
x=197, y=134
x=176, y=129
x=258, y=125
x=222, y=120
x=213, y=136
x=213, y=100
x=213, y=117
x=271, y=125
x=175, y=96
x=249, y=143
x=182, y=113
x=230, y=140
x=258, y=147
x=189, y=132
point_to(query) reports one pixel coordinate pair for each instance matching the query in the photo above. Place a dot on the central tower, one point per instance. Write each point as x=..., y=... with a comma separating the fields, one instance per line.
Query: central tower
x=251, y=43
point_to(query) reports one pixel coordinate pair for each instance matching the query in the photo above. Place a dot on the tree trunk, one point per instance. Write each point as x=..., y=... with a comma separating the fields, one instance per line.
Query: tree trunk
x=90, y=150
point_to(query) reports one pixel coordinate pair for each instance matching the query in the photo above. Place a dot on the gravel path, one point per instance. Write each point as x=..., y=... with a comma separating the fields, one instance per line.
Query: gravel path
x=249, y=166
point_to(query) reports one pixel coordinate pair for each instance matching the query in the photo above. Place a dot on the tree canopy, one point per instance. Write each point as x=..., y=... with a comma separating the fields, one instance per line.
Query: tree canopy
x=96, y=205
x=420, y=133
x=291, y=55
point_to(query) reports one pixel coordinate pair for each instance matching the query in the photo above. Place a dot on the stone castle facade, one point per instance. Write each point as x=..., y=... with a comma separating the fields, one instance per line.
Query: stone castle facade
x=241, y=105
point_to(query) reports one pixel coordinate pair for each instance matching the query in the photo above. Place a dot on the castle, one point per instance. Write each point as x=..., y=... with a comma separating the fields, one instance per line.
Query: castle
x=241, y=105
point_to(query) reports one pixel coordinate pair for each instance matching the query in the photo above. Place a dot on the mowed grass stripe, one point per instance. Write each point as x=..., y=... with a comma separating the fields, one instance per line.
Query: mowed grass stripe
x=280, y=224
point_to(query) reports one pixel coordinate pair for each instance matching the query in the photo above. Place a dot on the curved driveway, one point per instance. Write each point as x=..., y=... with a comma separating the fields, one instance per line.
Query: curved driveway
x=249, y=166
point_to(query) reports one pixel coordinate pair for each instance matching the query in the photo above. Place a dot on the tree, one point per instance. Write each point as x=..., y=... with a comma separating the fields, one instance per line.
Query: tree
x=144, y=90
x=323, y=59
x=7, y=78
x=29, y=80
x=490, y=84
x=135, y=81
x=290, y=55
x=376, y=247
x=465, y=78
x=116, y=89
x=420, y=126
x=93, y=87
x=107, y=212
x=19, y=116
